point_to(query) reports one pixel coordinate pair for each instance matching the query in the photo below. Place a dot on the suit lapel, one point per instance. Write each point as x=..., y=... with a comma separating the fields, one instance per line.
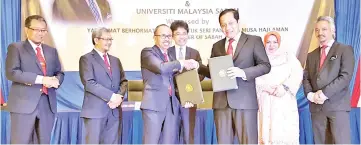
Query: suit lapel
x=104, y=9
x=172, y=53
x=188, y=53
x=317, y=60
x=98, y=58
x=240, y=44
x=113, y=64
x=222, y=48
x=159, y=52
x=31, y=51
x=47, y=56
x=329, y=54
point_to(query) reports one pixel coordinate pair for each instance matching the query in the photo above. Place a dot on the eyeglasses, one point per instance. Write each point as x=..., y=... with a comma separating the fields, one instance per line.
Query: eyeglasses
x=106, y=39
x=164, y=36
x=180, y=34
x=38, y=30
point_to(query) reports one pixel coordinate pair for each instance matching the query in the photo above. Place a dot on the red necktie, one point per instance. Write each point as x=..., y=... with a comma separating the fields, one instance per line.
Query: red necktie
x=107, y=63
x=169, y=87
x=230, y=47
x=43, y=66
x=323, y=55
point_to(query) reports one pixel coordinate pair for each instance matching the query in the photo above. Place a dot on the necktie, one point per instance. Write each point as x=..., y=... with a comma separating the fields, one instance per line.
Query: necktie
x=95, y=11
x=181, y=56
x=230, y=47
x=323, y=55
x=107, y=63
x=169, y=87
x=43, y=66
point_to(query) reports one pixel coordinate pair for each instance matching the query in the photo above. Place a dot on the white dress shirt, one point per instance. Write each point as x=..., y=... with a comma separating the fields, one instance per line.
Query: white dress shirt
x=101, y=55
x=329, y=44
x=234, y=43
x=177, y=51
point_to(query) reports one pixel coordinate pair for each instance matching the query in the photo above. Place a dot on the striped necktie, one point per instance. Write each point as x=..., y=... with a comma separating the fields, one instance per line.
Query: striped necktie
x=94, y=10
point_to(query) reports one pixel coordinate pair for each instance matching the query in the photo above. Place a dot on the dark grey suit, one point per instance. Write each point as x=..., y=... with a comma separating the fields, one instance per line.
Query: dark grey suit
x=188, y=115
x=333, y=79
x=30, y=108
x=159, y=108
x=238, y=108
x=101, y=122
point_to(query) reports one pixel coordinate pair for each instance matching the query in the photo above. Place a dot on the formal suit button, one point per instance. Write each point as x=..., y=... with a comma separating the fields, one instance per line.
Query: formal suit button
x=112, y=86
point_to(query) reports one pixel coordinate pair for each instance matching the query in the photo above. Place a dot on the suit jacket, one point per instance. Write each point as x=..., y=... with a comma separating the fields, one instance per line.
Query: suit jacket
x=78, y=11
x=22, y=68
x=250, y=55
x=157, y=76
x=99, y=84
x=190, y=54
x=333, y=78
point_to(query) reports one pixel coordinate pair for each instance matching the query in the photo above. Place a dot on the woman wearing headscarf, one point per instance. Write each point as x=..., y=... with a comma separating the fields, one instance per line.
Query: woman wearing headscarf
x=276, y=93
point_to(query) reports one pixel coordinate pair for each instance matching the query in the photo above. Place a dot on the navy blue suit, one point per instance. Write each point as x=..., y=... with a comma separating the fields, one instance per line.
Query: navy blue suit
x=31, y=110
x=160, y=109
x=101, y=122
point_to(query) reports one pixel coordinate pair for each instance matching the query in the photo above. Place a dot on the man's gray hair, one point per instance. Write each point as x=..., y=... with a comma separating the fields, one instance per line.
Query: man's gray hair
x=97, y=33
x=330, y=21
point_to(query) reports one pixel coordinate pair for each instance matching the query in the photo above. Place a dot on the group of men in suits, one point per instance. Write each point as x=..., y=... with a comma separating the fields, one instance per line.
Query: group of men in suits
x=35, y=70
x=326, y=80
x=235, y=110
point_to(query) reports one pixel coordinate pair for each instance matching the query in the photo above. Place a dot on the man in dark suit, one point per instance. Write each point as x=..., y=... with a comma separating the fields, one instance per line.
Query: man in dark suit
x=35, y=70
x=327, y=76
x=235, y=111
x=182, y=52
x=160, y=107
x=82, y=11
x=105, y=85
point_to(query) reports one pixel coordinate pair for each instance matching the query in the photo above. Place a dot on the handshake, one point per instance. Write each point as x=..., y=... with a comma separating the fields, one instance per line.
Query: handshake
x=50, y=82
x=115, y=101
x=190, y=64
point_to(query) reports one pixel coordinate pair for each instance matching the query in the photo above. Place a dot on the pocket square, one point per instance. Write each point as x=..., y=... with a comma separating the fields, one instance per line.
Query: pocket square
x=333, y=57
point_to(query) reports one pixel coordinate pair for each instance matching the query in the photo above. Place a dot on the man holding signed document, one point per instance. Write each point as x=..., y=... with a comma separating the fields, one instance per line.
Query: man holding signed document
x=235, y=62
x=160, y=106
x=181, y=51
